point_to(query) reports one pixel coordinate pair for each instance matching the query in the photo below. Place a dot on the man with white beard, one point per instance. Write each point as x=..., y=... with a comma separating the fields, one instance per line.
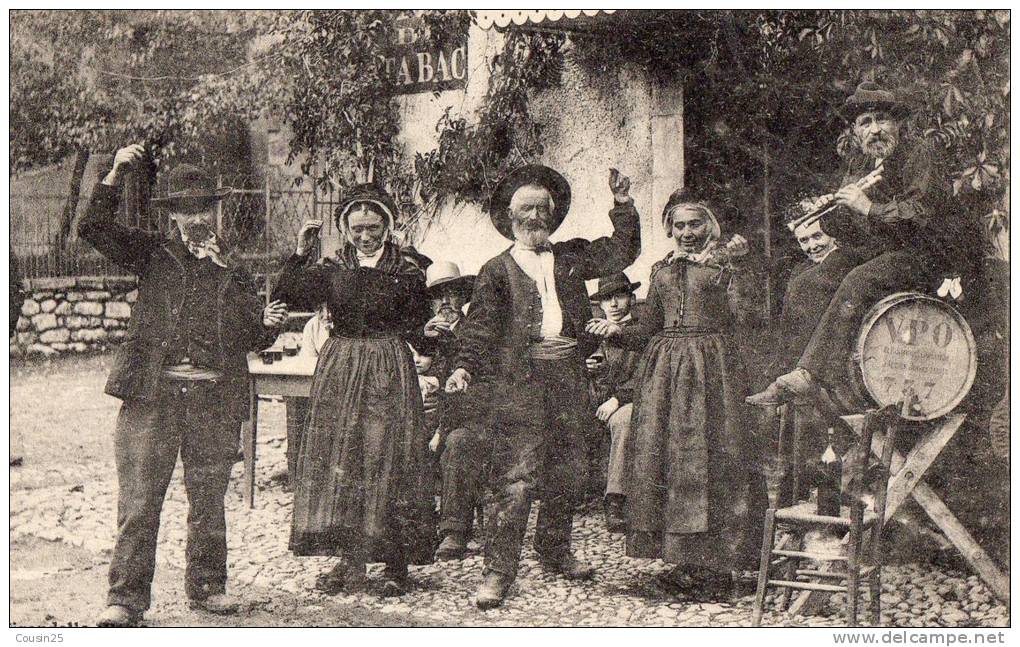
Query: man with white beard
x=914, y=233
x=527, y=321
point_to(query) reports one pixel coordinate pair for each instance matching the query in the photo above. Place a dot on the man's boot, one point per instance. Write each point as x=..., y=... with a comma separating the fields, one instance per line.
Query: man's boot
x=615, y=521
x=453, y=546
x=493, y=590
x=117, y=615
x=568, y=566
x=221, y=604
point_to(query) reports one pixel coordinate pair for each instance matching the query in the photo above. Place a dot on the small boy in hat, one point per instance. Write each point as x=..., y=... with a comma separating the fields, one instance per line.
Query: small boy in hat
x=183, y=379
x=613, y=375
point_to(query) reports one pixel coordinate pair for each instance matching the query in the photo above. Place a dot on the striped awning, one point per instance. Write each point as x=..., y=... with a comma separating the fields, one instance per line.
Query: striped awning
x=501, y=19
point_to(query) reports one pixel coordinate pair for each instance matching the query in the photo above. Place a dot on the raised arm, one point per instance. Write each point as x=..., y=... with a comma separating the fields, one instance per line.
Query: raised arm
x=921, y=195
x=301, y=285
x=922, y=192
x=129, y=247
x=595, y=258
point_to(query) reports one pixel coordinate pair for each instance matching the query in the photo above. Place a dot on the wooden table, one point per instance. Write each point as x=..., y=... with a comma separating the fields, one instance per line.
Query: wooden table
x=907, y=480
x=289, y=377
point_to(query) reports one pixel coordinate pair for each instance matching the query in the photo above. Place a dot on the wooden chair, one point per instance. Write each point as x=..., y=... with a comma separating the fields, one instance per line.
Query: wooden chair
x=862, y=558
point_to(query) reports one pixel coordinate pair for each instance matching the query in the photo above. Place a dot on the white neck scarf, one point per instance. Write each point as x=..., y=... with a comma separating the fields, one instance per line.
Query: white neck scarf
x=208, y=248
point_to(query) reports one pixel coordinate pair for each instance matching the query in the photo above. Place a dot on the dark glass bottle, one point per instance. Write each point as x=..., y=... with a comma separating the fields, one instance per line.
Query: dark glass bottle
x=831, y=475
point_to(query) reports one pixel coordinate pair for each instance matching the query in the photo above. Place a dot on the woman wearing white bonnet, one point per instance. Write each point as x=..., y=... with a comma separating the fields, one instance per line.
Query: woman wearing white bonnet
x=695, y=492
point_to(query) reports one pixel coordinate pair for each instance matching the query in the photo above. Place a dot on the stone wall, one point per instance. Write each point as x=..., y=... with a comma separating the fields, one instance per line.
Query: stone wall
x=73, y=314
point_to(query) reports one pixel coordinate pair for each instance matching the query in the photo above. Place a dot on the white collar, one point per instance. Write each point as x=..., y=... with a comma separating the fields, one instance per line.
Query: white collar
x=519, y=247
x=370, y=260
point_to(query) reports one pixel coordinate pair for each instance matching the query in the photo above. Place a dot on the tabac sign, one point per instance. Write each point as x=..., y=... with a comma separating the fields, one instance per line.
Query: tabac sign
x=416, y=65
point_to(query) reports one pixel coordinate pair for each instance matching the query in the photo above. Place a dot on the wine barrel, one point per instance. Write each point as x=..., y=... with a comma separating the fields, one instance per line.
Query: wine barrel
x=912, y=341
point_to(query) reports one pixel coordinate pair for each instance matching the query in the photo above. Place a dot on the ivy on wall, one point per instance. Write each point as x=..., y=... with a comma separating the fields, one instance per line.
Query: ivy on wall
x=761, y=88
x=471, y=157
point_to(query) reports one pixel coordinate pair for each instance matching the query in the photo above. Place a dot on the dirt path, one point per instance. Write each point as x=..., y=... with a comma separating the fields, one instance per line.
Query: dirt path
x=63, y=518
x=62, y=428
x=56, y=585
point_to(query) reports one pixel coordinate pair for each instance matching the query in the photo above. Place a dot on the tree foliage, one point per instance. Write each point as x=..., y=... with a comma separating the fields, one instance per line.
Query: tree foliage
x=763, y=88
x=95, y=80
x=471, y=157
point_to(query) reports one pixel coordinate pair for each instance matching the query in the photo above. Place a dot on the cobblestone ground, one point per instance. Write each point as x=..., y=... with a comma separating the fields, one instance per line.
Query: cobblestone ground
x=75, y=503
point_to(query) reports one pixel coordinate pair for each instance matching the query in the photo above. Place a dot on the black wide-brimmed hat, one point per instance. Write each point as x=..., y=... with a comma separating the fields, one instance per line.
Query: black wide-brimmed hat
x=613, y=284
x=553, y=182
x=189, y=189
x=870, y=96
x=446, y=274
x=369, y=193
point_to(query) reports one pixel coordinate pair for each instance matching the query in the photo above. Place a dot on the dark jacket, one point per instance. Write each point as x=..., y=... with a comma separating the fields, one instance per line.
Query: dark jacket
x=351, y=295
x=808, y=294
x=157, y=261
x=501, y=328
x=913, y=207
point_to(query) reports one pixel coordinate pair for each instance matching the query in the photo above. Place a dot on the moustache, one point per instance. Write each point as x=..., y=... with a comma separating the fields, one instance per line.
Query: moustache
x=198, y=231
x=533, y=224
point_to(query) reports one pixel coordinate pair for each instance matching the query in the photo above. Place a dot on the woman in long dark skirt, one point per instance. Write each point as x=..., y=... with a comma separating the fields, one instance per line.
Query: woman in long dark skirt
x=695, y=489
x=361, y=490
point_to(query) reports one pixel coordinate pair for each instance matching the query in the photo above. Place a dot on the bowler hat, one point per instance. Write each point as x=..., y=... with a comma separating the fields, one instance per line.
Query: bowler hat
x=553, y=182
x=445, y=274
x=190, y=189
x=614, y=284
x=870, y=96
x=369, y=193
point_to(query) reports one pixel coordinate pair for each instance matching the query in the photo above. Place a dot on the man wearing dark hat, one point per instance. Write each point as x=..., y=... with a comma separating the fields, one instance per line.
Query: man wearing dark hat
x=613, y=371
x=182, y=376
x=915, y=234
x=528, y=313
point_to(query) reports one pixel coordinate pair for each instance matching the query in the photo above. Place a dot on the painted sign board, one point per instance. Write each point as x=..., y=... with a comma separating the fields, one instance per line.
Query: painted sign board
x=416, y=65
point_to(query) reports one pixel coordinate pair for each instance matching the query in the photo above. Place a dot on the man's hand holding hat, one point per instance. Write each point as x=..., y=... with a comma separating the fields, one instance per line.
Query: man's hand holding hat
x=126, y=159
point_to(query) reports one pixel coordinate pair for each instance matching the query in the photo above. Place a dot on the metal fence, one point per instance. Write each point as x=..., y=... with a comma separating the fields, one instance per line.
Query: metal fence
x=35, y=222
x=258, y=222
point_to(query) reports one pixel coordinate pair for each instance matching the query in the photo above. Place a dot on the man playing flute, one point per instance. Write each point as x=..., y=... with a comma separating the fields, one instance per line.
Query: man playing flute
x=915, y=233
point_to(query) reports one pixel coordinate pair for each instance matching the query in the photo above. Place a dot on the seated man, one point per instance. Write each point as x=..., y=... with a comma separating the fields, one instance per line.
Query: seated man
x=613, y=372
x=808, y=292
x=915, y=233
x=459, y=438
